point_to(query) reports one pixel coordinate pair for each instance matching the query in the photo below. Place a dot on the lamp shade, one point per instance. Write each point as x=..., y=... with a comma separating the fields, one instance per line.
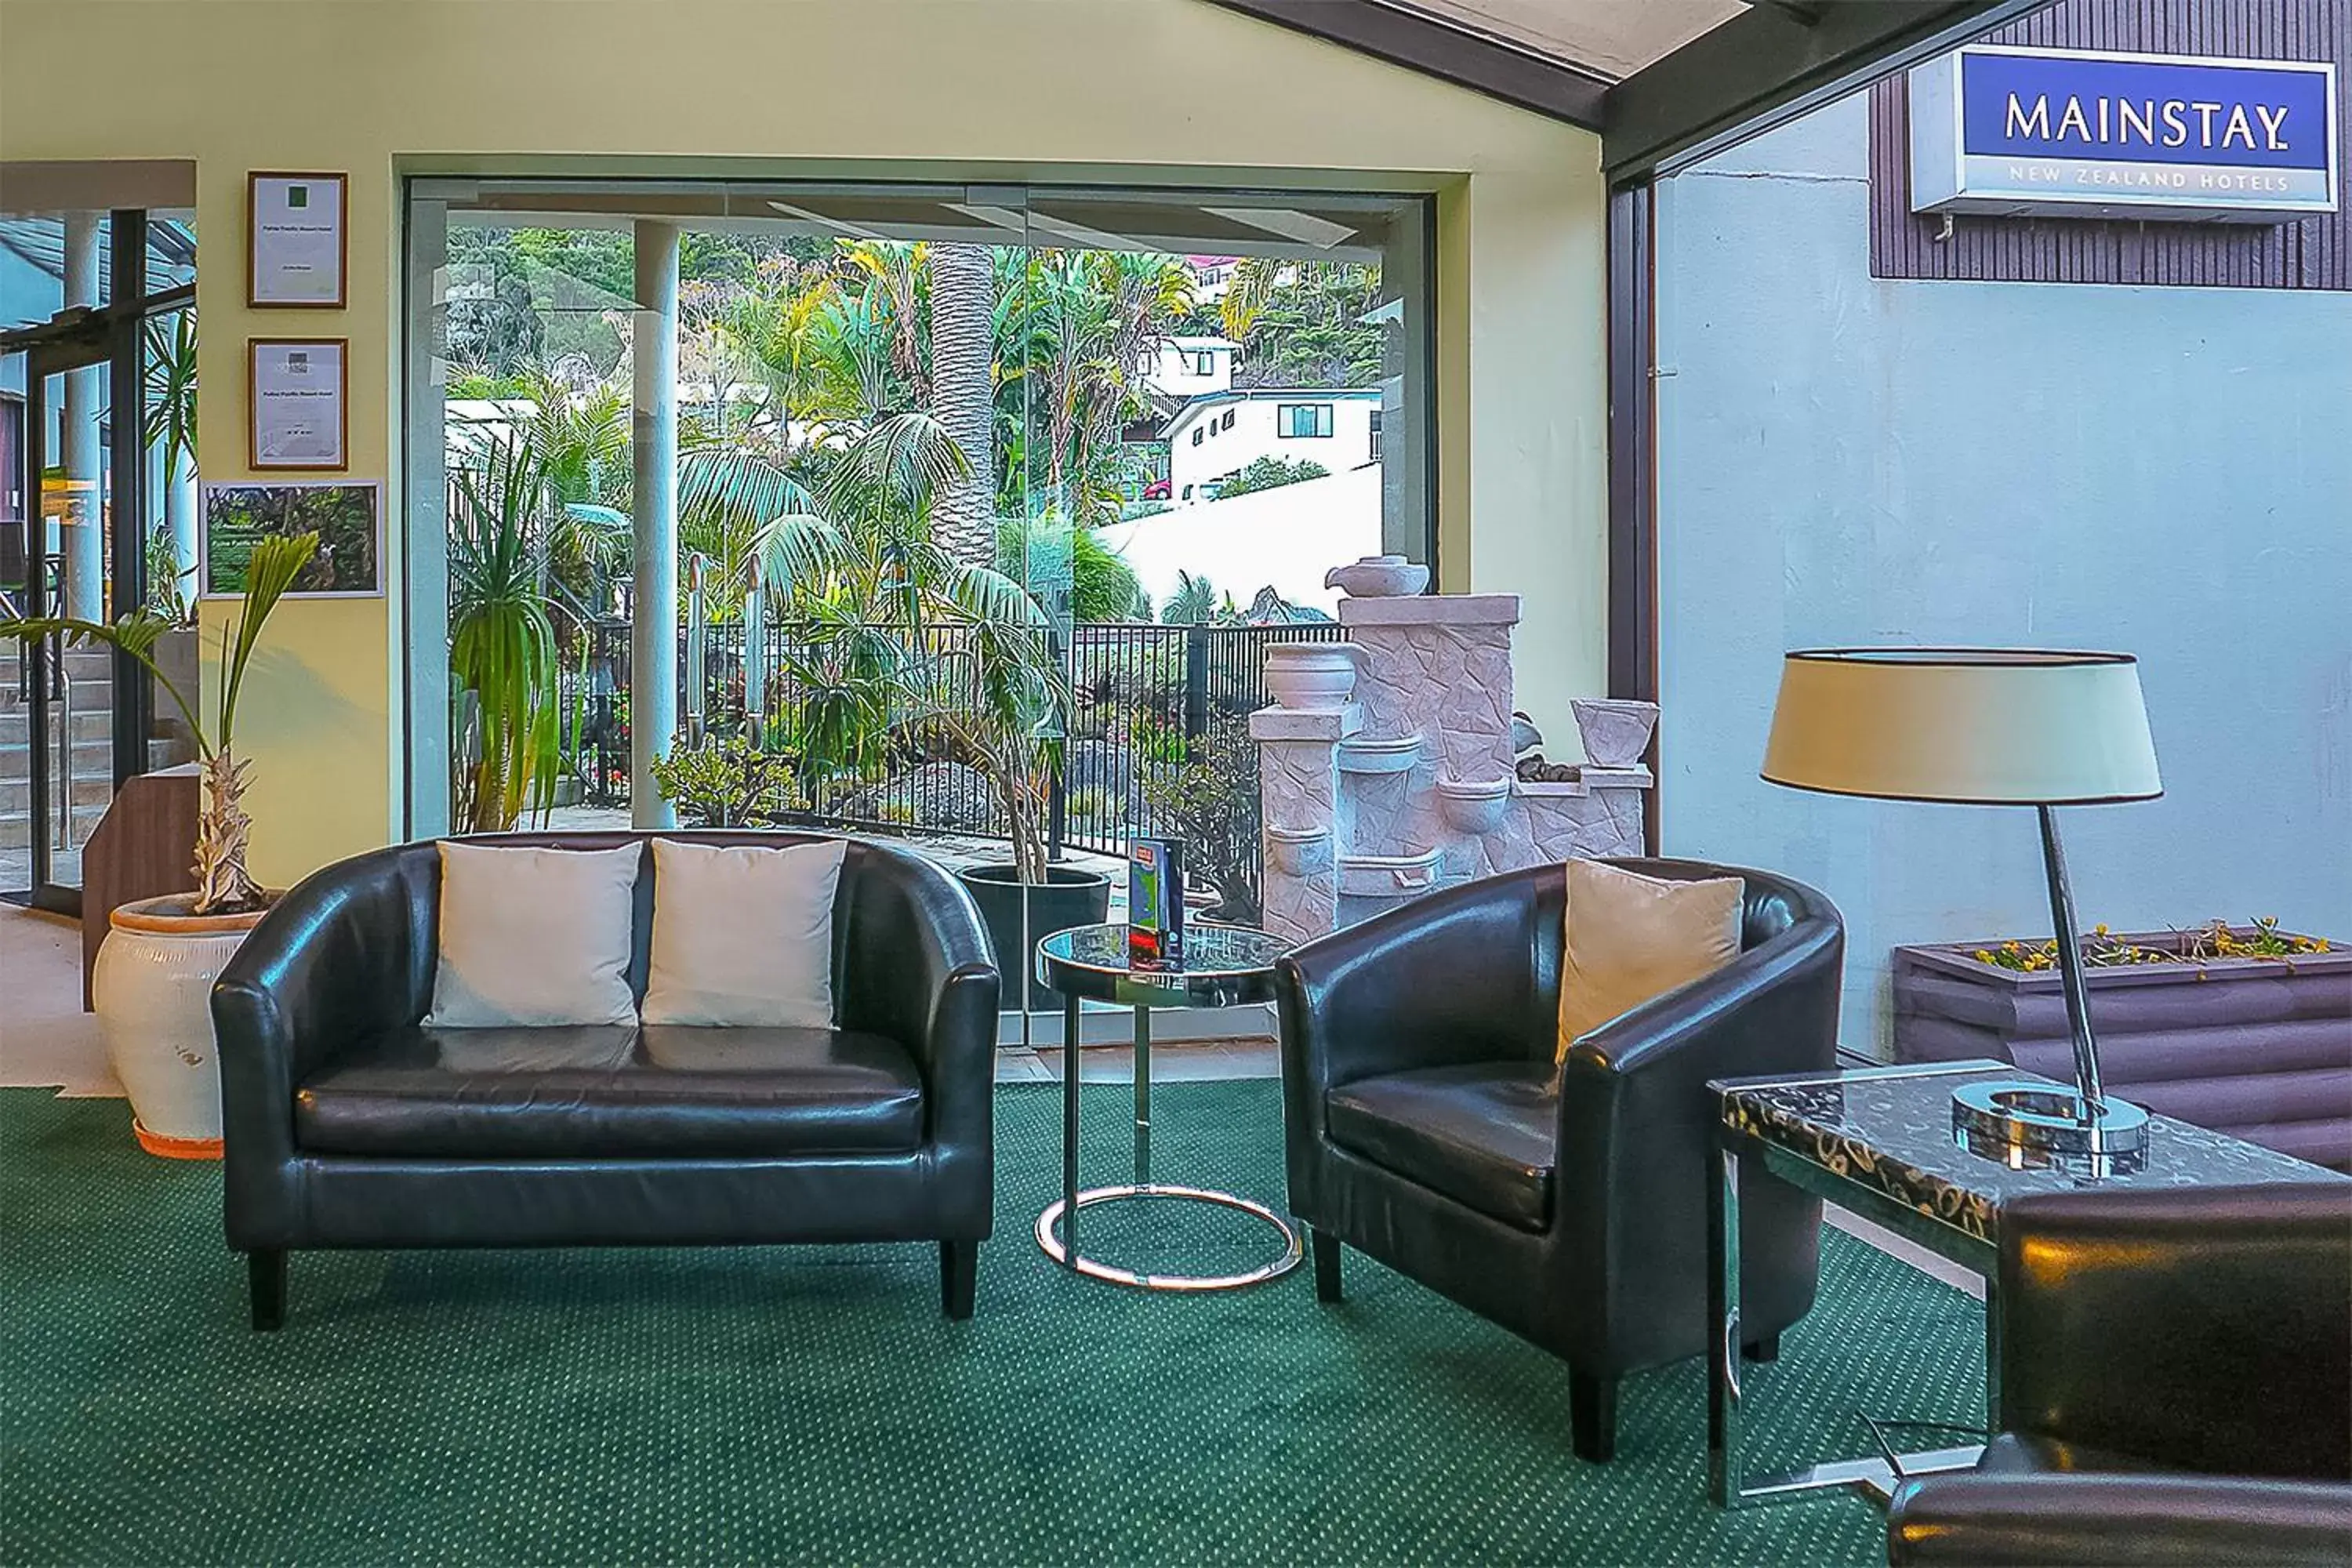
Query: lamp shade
x=1983, y=726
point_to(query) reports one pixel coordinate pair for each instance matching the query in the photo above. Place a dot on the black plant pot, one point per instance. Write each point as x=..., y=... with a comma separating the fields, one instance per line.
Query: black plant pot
x=1068, y=897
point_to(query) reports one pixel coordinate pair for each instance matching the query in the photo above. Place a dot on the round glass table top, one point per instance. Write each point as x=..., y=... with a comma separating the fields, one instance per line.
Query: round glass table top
x=1223, y=966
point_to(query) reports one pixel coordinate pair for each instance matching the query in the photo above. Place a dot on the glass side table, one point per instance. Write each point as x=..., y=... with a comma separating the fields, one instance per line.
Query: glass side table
x=1226, y=966
x=1878, y=1142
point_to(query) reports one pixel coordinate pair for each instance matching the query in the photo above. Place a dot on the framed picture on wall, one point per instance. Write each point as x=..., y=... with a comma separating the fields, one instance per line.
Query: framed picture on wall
x=346, y=514
x=297, y=390
x=298, y=255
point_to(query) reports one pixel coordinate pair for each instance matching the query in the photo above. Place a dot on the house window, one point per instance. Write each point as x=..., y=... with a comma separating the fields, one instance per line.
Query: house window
x=1294, y=421
x=1188, y=492
x=1227, y=422
x=1376, y=436
x=1204, y=363
x=1196, y=435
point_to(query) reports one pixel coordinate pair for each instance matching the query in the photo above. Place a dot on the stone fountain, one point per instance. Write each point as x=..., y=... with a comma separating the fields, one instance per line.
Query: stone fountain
x=1387, y=767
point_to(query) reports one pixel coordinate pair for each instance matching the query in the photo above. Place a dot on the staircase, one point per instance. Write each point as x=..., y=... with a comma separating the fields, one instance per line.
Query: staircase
x=90, y=726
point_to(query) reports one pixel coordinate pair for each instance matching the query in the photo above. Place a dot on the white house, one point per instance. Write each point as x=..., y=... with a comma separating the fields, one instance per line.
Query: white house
x=1187, y=367
x=1217, y=433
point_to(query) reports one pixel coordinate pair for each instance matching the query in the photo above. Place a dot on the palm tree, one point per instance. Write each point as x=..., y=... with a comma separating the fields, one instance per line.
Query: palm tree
x=953, y=660
x=171, y=424
x=963, y=307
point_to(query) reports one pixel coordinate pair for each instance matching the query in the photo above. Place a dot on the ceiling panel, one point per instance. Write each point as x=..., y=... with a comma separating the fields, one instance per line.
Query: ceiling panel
x=1612, y=38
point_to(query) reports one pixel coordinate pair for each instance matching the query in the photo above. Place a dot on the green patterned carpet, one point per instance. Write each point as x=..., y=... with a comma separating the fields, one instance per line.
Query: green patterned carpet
x=812, y=1405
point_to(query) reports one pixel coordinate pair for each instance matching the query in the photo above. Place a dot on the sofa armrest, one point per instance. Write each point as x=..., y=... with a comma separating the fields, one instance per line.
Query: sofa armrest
x=1637, y=1126
x=918, y=970
x=346, y=954
x=2141, y=1521
x=2202, y=1328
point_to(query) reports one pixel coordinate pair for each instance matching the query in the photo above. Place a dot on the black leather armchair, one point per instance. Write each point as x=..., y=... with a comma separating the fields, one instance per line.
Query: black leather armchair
x=2176, y=1386
x=348, y=1123
x=1428, y=1127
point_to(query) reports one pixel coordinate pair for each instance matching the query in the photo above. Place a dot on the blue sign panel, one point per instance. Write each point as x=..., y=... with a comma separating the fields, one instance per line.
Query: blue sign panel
x=2000, y=129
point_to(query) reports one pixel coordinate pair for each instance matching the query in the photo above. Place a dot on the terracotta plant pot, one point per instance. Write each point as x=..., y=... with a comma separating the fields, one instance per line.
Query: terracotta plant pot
x=1317, y=676
x=152, y=989
x=1615, y=730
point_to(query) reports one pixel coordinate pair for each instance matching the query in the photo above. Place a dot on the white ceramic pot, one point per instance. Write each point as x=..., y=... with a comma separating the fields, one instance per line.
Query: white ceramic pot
x=152, y=991
x=1615, y=730
x=1311, y=675
x=1378, y=577
x=1476, y=806
x=1298, y=851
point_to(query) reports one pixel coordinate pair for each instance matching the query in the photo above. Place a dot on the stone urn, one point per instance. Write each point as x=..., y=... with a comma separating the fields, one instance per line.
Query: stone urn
x=1615, y=730
x=1475, y=806
x=1311, y=675
x=1378, y=577
x=152, y=989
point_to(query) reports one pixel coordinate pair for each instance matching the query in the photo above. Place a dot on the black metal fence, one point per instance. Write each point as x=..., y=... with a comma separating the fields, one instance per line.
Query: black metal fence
x=1141, y=693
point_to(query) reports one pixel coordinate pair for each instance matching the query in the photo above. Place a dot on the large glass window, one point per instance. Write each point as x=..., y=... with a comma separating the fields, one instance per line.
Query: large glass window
x=968, y=390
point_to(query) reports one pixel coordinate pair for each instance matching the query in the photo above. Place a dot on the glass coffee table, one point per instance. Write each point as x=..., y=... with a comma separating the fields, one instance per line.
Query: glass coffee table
x=1226, y=966
x=1879, y=1143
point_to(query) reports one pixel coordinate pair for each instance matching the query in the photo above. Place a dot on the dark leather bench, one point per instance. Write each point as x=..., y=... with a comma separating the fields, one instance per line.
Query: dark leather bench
x=348, y=1122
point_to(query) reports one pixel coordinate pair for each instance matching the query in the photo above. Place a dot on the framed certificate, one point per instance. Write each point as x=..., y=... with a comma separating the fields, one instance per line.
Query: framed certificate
x=296, y=254
x=297, y=389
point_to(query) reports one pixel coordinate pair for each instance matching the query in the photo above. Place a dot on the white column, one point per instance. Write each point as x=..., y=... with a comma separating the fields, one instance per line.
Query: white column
x=653, y=630
x=82, y=540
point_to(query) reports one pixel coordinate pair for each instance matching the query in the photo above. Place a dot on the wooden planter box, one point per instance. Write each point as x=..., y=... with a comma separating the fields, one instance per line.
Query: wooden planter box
x=2259, y=1048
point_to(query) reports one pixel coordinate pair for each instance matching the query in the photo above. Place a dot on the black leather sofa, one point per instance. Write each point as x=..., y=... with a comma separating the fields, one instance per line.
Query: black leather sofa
x=2176, y=1386
x=1427, y=1126
x=348, y=1123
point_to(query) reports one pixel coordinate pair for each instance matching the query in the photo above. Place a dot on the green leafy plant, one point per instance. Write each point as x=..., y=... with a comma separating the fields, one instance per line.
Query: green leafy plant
x=2210, y=942
x=1212, y=804
x=224, y=885
x=726, y=783
x=505, y=534
x=921, y=654
x=1270, y=473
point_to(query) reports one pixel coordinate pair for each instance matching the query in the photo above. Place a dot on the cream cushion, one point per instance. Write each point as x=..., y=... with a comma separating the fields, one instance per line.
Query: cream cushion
x=743, y=934
x=531, y=937
x=1632, y=937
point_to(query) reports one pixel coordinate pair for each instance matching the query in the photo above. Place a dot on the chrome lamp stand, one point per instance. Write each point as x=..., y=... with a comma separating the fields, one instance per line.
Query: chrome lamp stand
x=2033, y=1124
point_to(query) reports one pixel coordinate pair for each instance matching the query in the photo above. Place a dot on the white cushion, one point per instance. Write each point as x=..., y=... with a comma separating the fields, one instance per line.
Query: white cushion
x=743, y=934
x=534, y=937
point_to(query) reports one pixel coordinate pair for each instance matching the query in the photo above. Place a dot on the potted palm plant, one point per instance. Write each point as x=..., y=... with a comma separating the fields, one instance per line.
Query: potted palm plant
x=923, y=655
x=152, y=986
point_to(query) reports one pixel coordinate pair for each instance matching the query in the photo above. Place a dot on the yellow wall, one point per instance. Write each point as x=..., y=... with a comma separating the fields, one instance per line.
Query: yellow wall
x=984, y=89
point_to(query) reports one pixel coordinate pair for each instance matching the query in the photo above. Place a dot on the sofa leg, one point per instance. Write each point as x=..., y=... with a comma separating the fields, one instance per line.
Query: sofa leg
x=1592, y=1415
x=959, y=1276
x=265, y=1273
x=1326, y=1248
x=1766, y=1348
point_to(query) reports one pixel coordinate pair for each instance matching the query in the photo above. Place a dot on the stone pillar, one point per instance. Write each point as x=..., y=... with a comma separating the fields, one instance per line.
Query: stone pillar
x=653, y=427
x=82, y=541
x=1298, y=797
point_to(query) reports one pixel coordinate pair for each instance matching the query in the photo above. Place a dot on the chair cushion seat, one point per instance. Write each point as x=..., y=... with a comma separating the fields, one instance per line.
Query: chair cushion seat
x=1483, y=1133
x=620, y=1092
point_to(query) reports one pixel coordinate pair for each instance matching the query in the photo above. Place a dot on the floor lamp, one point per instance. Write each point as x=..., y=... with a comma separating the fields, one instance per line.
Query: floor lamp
x=1968, y=726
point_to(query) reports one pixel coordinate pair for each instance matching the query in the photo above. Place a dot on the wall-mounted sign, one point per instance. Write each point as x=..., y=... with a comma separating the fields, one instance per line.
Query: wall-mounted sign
x=2091, y=134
